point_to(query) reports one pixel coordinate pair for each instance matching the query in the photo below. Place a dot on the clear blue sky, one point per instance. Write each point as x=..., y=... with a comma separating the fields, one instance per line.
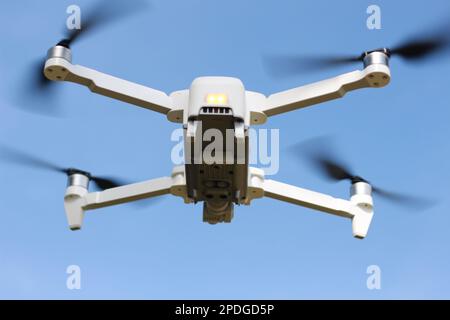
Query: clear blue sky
x=397, y=136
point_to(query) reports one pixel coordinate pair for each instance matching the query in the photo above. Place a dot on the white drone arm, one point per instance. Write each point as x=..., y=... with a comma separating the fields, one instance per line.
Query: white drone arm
x=77, y=198
x=128, y=193
x=359, y=209
x=375, y=75
x=59, y=68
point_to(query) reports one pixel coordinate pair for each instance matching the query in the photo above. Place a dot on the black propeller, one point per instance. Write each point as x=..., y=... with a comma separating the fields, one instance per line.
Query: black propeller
x=100, y=15
x=40, y=91
x=415, y=49
x=19, y=157
x=319, y=153
x=36, y=93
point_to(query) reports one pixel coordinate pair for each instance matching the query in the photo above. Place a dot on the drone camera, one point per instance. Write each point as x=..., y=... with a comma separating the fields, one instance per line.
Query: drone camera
x=218, y=212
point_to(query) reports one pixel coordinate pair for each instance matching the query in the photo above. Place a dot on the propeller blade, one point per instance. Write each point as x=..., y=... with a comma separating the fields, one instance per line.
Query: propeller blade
x=16, y=156
x=103, y=13
x=319, y=152
x=334, y=170
x=40, y=81
x=104, y=183
x=413, y=202
x=22, y=158
x=288, y=65
x=415, y=49
x=421, y=48
x=39, y=94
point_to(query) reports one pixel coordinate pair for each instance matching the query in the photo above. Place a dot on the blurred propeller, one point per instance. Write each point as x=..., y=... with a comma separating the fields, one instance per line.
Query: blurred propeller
x=41, y=91
x=288, y=65
x=22, y=158
x=319, y=153
x=100, y=15
x=415, y=49
x=37, y=94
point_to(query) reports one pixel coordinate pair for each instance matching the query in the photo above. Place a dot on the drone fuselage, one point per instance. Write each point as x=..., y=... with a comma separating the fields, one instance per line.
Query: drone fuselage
x=216, y=146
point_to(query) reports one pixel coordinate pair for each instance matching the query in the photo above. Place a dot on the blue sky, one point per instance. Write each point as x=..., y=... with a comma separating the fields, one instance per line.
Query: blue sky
x=396, y=136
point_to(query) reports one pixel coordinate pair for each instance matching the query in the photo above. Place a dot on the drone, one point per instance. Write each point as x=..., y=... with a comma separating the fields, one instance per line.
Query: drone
x=223, y=103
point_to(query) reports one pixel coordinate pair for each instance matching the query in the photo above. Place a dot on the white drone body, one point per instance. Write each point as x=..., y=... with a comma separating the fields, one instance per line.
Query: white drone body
x=223, y=104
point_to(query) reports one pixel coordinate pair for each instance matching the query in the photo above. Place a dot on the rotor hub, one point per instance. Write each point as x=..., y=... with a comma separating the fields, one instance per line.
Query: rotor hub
x=60, y=51
x=361, y=188
x=78, y=178
x=379, y=56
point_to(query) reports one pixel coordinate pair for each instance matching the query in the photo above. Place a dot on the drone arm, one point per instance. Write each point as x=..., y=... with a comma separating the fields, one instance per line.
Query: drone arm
x=306, y=198
x=59, y=69
x=359, y=209
x=77, y=199
x=375, y=76
x=128, y=193
x=361, y=216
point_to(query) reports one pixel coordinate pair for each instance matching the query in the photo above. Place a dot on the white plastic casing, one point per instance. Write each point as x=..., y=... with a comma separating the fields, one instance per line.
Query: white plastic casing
x=233, y=88
x=251, y=107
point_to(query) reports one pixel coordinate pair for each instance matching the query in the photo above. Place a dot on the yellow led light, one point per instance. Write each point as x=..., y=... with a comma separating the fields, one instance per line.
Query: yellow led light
x=216, y=99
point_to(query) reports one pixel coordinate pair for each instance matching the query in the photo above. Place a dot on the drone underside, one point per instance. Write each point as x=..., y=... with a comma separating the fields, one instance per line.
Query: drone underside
x=224, y=105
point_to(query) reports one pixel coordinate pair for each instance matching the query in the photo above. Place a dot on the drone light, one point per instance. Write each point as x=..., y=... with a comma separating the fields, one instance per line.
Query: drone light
x=216, y=99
